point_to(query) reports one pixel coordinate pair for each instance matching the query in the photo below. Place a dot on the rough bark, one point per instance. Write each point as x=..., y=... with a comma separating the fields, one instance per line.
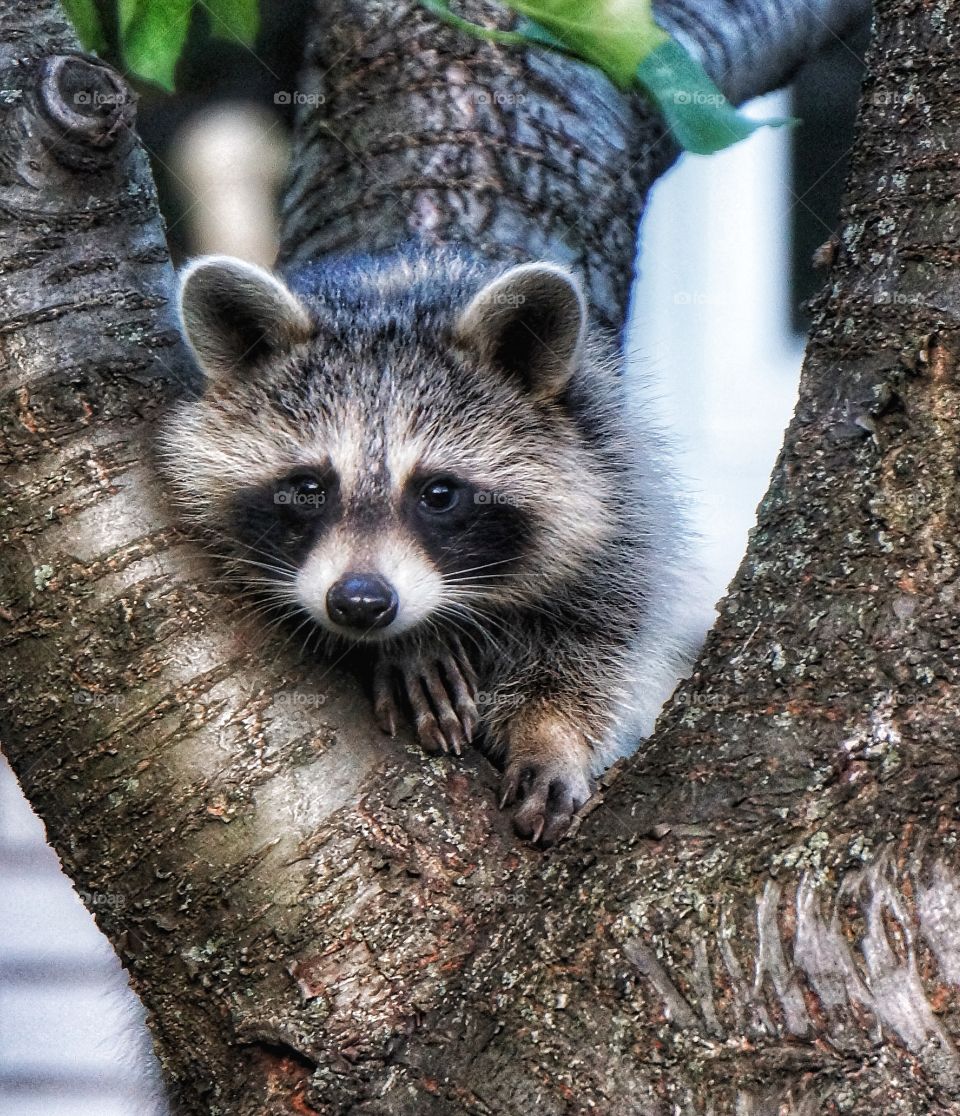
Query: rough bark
x=752, y=46
x=322, y=921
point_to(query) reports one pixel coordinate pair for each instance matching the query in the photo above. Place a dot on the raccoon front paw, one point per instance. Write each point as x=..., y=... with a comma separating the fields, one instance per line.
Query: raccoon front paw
x=440, y=690
x=549, y=791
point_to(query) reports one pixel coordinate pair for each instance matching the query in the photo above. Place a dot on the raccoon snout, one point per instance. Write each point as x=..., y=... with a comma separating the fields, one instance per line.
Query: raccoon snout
x=362, y=601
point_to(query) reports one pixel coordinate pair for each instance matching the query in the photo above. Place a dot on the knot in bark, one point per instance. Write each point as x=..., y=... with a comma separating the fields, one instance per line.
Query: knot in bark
x=89, y=110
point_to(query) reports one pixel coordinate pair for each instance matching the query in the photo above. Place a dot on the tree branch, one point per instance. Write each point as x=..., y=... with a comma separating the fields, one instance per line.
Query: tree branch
x=752, y=46
x=416, y=131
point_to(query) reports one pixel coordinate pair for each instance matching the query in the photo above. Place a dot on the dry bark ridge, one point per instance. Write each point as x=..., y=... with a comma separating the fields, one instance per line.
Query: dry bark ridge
x=761, y=916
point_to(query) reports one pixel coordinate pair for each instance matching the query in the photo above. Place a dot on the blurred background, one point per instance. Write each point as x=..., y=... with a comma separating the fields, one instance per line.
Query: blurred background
x=718, y=329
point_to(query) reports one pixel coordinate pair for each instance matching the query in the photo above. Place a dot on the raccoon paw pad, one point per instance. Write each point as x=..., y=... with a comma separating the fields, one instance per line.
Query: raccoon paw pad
x=549, y=796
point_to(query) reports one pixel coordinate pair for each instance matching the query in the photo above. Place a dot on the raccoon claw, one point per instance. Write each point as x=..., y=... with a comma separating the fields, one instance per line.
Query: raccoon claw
x=549, y=796
x=441, y=693
x=386, y=712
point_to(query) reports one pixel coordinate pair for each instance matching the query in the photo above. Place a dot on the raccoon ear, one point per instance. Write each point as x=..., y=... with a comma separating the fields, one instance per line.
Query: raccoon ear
x=531, y=321
x=235, y=314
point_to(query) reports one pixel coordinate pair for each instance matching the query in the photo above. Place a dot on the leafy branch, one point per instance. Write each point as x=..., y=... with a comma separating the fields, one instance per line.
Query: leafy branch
x=624, y=40
x=621, y=37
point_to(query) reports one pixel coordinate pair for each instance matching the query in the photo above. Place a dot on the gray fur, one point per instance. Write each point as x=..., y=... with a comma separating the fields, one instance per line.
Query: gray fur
x=578, y=641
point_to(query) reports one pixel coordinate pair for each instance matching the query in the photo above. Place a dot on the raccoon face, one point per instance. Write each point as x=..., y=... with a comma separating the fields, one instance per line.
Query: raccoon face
x=383, y=481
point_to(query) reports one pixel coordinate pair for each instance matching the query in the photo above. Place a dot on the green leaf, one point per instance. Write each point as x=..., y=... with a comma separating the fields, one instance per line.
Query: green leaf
x=234, y=19
x=616, y=35
x=86, y=19
x=152, y=34
x=701, y=119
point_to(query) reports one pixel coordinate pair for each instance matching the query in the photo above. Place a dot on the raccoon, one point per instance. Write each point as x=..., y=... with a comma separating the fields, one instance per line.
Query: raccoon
x=431, y=457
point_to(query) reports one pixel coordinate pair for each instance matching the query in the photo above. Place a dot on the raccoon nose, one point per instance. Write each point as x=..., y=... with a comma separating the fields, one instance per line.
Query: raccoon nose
x=362, y=601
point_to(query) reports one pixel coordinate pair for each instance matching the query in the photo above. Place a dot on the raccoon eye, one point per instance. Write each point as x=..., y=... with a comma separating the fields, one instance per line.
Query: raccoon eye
x=303, y=494
x=438, y=496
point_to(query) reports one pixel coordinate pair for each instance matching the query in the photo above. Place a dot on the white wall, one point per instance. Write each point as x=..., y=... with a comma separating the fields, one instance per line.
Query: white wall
x=64, y=1007
x=711, y=324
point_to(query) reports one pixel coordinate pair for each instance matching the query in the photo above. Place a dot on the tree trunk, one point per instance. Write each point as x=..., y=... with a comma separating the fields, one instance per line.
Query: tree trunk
x=759, y=916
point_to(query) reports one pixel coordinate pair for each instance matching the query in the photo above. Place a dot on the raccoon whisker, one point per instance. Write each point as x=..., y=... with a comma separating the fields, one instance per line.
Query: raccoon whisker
x=266, y=633
x=245, y=577
x=257, y=586
x=272, y=567
x=296, y=631
x=486, y=621
x=450, y=611
x=233, y=583
x=267, y=586
x=274, y=626
x=268, y=607
x=466, y=592
x=550, y=614
x=459, y=617
x=475, y=578
x=265, y=596
x=273, y=603
x=234, y=556
x=276, y=596
x=477, y=617
x=460, y=614
x=468, y=629
x=464, y=576
x=311, y=634
x=432, y=624
x=267, y=623
x=265, y=611
x=255, y=589
x=212, y=548
x=467, y=597
x=485, y=566
x=256, y=548
x=461, y=602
